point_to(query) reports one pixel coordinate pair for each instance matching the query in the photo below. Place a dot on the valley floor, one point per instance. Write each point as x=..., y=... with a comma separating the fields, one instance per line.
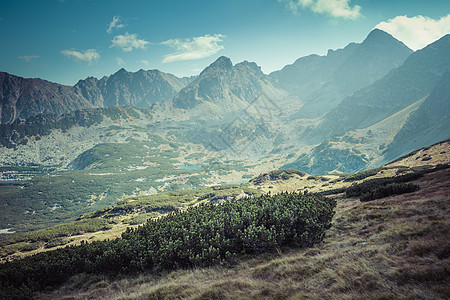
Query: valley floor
x=392, y=248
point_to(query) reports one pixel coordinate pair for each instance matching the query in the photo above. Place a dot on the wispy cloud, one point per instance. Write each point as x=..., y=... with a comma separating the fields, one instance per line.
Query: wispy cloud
x=89, y=55
x=28, y=58
x=119, y=61
x=195, y=48
x=115, y=23
x=416, y=32
x=333, y=8
x=128, y=41
x=145, y=62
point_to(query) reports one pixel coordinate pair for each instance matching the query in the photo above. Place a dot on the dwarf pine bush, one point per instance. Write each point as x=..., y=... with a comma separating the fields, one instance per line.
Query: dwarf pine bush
x=200, y=236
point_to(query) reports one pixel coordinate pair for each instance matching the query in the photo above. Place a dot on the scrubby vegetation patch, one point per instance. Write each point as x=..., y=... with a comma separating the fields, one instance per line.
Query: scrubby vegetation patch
x=205, y=235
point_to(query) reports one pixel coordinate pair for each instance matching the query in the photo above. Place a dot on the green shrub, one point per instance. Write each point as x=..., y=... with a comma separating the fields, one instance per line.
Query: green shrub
x=369, y=186
x=56, y=243
x=388, y=190
x=30, y=247
x=200, y=236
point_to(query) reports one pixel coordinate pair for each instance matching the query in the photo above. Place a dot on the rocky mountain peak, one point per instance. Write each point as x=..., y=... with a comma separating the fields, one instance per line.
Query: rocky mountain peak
x=378, y=38
x=122, y=73
x=223, y=64
x=252, y=66
x=121, y=70
x=377, y=34
x=223, y=88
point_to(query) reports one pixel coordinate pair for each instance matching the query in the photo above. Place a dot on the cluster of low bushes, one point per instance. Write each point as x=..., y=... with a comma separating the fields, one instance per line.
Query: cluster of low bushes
x=389, y=190
x=383, y=187
x=200, y=236
x=213, y=233
x=62, y=230
x=283, y=174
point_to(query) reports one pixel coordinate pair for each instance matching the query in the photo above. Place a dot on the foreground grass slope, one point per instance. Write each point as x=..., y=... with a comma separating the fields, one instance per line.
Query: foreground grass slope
x=391, y=248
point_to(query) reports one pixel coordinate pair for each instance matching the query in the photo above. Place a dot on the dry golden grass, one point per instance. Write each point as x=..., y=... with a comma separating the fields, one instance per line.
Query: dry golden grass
x=433, y=155
x=391, y=248
x=297, y=183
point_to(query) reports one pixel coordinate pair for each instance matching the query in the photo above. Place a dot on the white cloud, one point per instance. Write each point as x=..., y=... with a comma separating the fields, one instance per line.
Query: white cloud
x=145, y=62
x=88, y=55
x=333, y=8
x=120, y=62
x=115, y=23
x=195, y=48
x=128, y=41
x=28, y=58
x=416, y=32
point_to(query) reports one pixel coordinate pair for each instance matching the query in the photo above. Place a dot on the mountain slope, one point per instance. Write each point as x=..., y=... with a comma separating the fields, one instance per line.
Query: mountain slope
x=406, y=109
x=24, y=97
x=386, y=248
x=222, y=88
x=429, y=124
x=140, y=89
x=322, y=81
x=355, y=150
x=378, y=54
x=403, y=86
x=307, y=74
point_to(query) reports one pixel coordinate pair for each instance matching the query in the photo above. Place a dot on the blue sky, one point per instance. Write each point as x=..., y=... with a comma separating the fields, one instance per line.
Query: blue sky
x=67, y=40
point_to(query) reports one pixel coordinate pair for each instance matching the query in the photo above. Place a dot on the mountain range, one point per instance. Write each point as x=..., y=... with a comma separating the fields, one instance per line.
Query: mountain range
x=23, y=98
x=322, y=81
x=415, y=94
x=355, y=108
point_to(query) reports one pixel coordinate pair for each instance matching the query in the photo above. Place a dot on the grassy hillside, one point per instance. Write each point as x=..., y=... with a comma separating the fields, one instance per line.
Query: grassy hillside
x=391, y=248
x=386, y=248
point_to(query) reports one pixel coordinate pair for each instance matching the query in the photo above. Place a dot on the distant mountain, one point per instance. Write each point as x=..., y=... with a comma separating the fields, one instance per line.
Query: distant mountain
x=322, y=81
x=26, y=97
x=403, y=86
x=23, y=98
x=22, y=131
x=239, y=111
x=140, y=89
x=222, y=88
x=378, y=54
x=405, y=110
x=311, y=73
